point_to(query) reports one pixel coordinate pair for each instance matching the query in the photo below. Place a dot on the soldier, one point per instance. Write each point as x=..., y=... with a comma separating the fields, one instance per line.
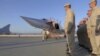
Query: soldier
x=84, y=21
x=91, y=26
x=87, y=31
x=45, y=35
x=69, y=28
x=82, y=35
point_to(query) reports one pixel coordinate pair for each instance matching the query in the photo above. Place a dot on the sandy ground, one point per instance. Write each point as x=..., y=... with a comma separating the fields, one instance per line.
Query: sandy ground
x=34, y=46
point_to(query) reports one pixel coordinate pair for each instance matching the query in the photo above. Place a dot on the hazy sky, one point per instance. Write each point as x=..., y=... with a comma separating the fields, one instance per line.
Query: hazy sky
x=11, y=10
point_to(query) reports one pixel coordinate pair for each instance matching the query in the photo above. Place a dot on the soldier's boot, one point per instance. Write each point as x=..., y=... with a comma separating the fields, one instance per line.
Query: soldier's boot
x=93, y=54
x=68, y=51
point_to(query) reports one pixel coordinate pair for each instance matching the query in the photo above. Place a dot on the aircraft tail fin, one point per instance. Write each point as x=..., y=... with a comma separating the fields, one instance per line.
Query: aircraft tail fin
x=5, y=29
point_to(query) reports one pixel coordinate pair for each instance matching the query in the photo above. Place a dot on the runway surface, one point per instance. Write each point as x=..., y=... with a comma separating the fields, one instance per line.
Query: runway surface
x=34, y=46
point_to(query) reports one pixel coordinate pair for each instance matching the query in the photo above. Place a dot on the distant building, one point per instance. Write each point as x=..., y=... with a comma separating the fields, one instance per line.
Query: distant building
x=5, y=29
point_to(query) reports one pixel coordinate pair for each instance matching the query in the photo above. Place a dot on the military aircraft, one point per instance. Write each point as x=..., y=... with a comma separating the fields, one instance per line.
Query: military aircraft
x=51, y=29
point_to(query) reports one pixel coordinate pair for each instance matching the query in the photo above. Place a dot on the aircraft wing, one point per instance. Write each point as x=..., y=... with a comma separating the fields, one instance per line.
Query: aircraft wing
x=38, y=23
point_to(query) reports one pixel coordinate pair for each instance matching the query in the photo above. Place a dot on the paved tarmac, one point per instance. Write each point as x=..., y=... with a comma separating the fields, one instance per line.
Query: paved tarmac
x=34, y=46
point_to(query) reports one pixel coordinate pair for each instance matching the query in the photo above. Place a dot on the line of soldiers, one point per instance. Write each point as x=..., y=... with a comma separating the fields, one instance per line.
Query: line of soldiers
x=91, y=24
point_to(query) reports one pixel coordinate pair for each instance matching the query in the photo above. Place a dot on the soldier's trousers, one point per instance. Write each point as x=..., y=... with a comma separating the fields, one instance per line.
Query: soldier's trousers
x=91, y=35
x=70, y=44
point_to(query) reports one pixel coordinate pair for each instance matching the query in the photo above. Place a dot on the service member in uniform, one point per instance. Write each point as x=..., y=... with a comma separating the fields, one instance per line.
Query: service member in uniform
x=88, y=14
x=44, y=35
x=88, y=39
x=69, y=27
x=91, y=26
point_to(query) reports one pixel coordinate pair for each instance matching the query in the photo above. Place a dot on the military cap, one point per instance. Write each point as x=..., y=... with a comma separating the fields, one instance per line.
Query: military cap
x=93, y=1
x=67, y=4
